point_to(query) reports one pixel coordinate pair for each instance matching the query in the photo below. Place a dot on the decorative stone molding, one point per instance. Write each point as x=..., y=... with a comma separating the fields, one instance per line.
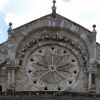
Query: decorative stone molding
x=92, y=67
x=54, y=37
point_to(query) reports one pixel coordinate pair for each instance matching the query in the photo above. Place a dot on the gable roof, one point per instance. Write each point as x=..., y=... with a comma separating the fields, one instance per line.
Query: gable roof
x=71, y=25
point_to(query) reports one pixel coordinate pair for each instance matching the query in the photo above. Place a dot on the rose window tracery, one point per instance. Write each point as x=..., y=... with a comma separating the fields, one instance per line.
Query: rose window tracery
x=52, y=68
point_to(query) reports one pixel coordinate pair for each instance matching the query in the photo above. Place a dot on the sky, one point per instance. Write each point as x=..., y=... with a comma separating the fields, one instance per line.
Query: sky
x=19, y=12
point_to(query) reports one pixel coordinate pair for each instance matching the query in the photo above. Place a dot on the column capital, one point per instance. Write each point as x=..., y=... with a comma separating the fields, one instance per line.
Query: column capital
x=11, y=68
x=92, y=67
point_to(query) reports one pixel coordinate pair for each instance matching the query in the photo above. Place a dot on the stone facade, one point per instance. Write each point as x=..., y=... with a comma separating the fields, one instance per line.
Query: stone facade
x=51, y=53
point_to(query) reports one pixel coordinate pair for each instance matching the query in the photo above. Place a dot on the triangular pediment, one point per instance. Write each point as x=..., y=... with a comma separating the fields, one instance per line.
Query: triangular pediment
x=52, y=21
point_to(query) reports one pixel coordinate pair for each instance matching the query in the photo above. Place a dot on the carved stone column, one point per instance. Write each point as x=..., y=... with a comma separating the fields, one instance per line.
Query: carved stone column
x=92, y=61
x=11, y=68
x=11, y=75
x=11, y=79
x=92, y=76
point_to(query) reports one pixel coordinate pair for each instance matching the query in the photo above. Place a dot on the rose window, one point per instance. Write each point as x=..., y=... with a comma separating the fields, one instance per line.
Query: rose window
x=52, y=68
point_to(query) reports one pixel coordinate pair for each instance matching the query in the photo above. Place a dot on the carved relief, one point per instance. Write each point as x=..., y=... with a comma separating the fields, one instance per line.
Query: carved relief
x=50, y=62
x=54, y=37
x=52, y=68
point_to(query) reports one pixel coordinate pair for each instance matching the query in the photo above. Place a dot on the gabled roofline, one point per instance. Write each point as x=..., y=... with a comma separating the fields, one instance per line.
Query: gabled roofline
x=31, y=22
x=75, y=23
x=51, y=15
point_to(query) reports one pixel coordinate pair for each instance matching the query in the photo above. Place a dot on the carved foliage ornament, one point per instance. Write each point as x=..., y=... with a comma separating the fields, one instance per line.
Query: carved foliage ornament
x=54, y=37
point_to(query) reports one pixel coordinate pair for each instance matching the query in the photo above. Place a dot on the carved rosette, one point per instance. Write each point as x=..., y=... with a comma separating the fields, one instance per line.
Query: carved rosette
x=52, y=68
x=52, y=62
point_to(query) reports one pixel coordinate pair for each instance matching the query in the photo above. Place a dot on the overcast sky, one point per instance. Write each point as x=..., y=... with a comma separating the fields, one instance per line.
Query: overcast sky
x=19, y=12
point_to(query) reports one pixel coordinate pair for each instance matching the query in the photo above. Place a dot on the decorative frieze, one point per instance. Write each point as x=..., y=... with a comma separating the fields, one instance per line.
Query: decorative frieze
x=52, y=37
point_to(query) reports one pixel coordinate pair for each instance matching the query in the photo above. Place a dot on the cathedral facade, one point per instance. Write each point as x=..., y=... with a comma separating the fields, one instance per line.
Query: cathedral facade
x=51, y=56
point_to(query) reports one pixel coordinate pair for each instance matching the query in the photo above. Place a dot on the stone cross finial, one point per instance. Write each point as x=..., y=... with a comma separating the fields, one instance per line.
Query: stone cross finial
x=54, y=7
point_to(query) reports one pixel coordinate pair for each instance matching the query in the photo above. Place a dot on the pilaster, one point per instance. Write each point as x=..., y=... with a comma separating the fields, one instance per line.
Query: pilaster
x=11, y=68
x=92, y=62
